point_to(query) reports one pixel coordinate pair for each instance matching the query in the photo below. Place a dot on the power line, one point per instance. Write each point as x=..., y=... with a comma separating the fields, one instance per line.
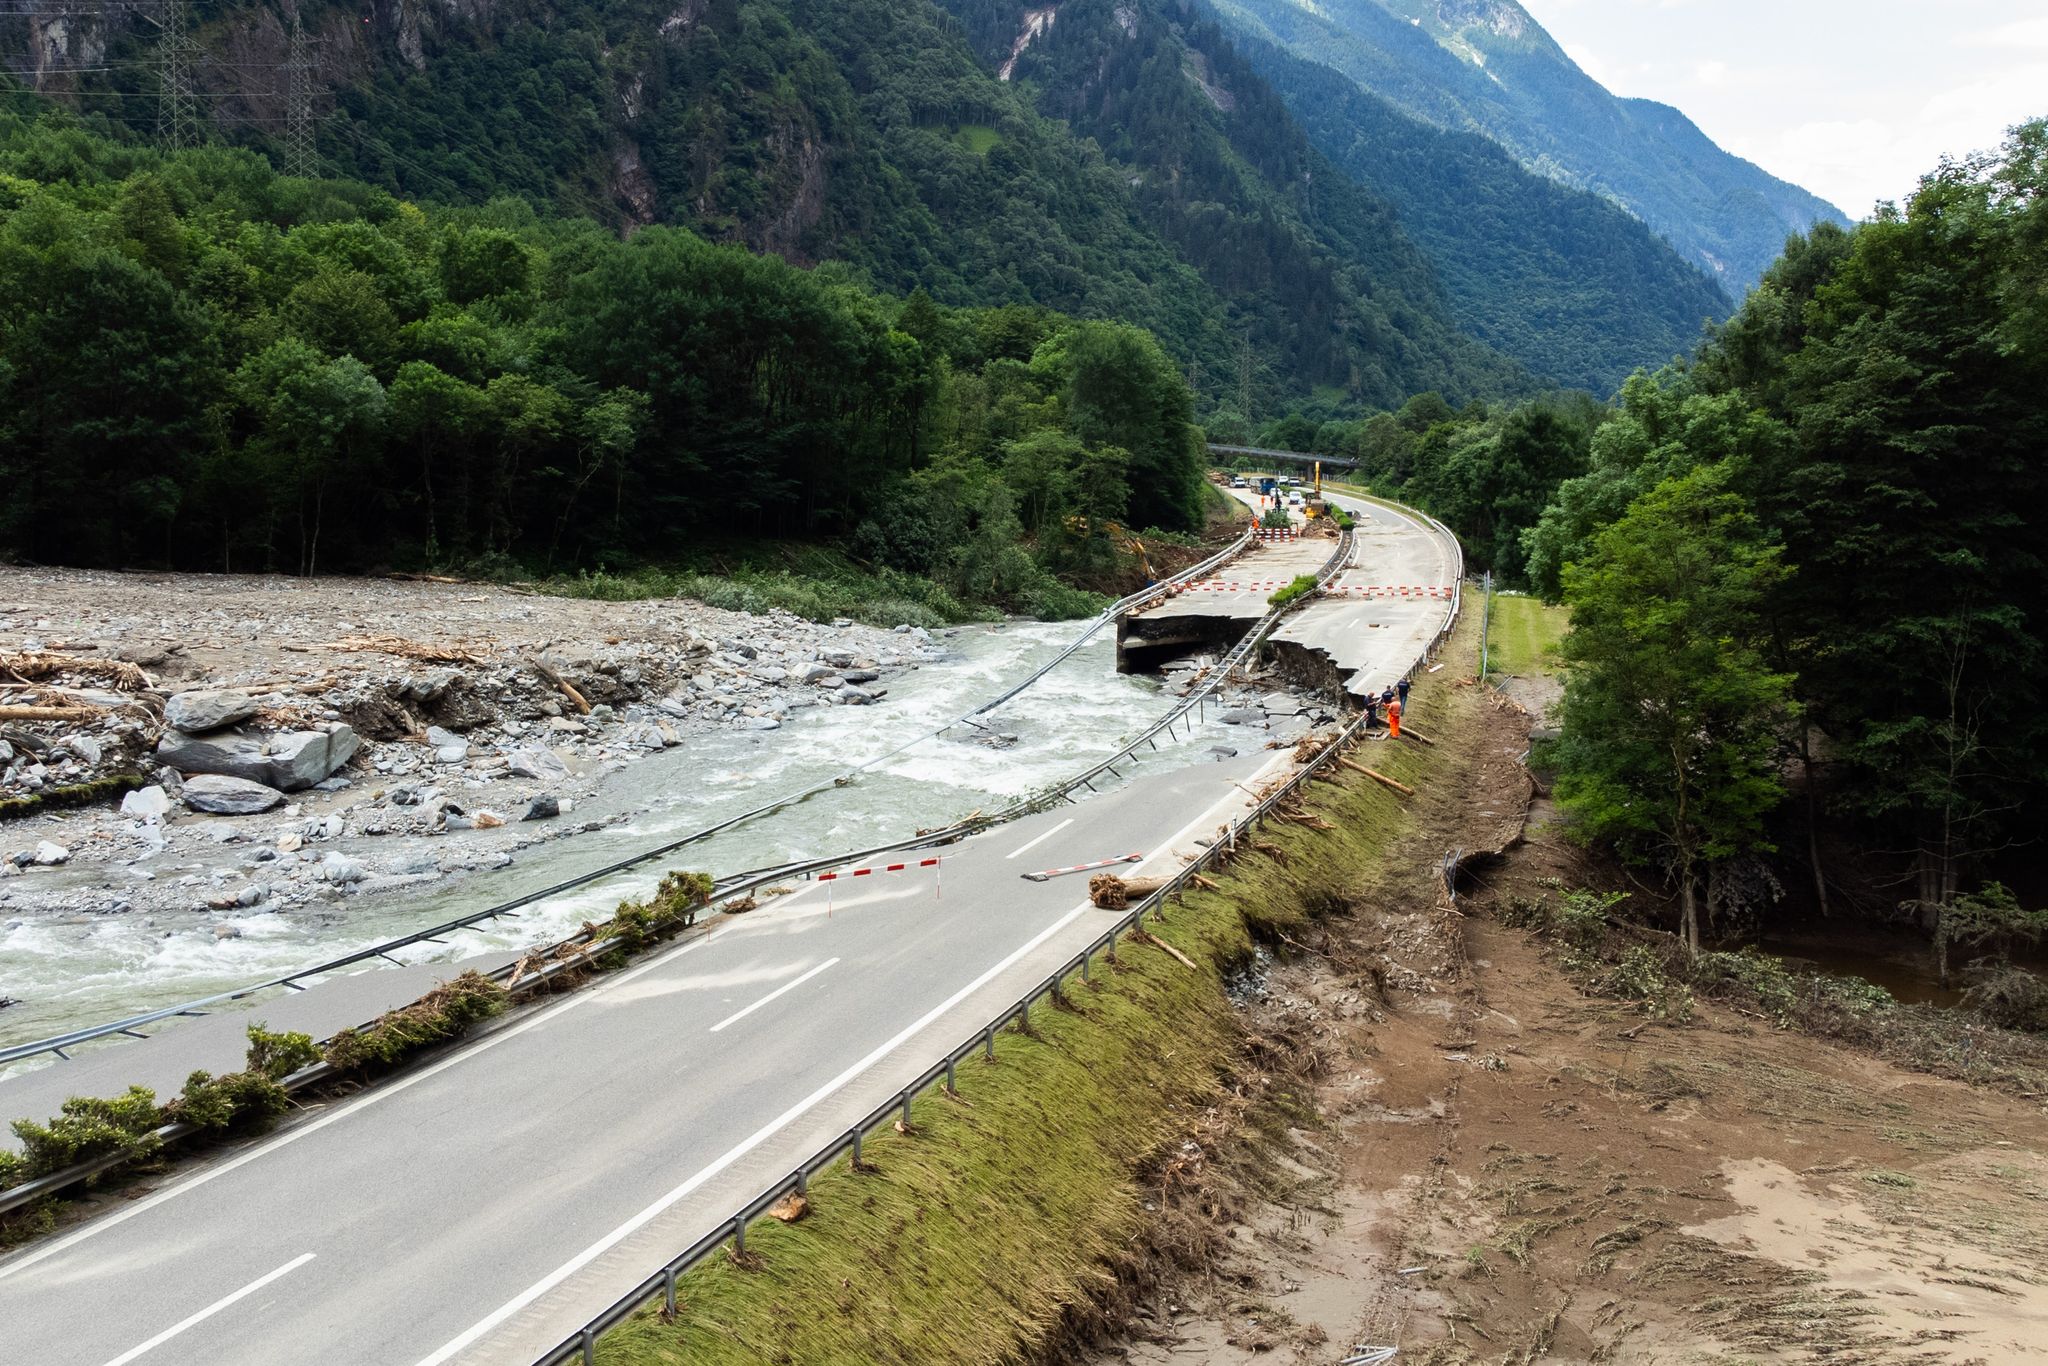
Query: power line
x=177, y=115
x=300, y=157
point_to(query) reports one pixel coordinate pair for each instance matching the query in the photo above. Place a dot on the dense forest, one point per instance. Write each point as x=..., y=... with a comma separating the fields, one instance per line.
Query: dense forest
x=206, y=365
x=1849, y=489
x=1805, y=569
x=1142, y=172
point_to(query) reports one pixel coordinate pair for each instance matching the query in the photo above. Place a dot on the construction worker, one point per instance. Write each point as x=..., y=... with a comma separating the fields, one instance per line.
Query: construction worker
x=1394, y=718
x=1402, y=689
x=1372, y=711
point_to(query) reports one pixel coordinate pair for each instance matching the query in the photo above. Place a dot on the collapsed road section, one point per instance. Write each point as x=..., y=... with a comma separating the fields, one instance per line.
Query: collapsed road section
x=1385, y=603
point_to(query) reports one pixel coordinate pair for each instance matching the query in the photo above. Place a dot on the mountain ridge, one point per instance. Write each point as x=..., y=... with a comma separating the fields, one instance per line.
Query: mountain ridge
x=1488, y=66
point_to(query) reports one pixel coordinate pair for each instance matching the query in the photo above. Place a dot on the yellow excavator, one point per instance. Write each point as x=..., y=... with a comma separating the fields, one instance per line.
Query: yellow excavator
x=1083, y=528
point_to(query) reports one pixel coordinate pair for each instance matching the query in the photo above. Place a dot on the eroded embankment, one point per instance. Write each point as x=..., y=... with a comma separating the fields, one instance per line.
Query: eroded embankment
x=1028, y=1213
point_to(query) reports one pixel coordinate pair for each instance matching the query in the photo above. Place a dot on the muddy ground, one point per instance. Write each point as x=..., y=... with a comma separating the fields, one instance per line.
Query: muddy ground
x=1469, y=1160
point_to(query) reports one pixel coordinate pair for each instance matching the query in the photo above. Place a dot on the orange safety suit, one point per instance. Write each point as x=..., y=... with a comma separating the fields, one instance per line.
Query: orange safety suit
x=1394, y=718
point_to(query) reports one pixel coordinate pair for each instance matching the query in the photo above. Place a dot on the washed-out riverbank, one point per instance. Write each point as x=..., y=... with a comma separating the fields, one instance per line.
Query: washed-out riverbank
x=707, y=713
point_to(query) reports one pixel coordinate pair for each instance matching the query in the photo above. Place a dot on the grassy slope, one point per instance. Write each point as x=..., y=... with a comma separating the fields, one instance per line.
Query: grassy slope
x=1524, y=636
x=968, y=1238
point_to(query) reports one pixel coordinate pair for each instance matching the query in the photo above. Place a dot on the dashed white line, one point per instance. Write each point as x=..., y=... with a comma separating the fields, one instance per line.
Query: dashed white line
x=784, y=989
x=1041, y=839
x=767, y=1131
x=203, y=1315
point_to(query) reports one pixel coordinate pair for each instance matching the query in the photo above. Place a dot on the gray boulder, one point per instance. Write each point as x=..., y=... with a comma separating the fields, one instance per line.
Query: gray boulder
x=449, y=748
x=340, y=869
x=543, y=807
x=207, y=709
x=222, y=796
x=291, y=762
x=534, y=761
x=49, y=855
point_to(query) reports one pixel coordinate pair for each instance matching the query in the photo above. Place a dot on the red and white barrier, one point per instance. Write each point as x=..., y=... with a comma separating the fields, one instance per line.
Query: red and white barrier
x=938, y=876
x=1390, y=590
x=1051, y=873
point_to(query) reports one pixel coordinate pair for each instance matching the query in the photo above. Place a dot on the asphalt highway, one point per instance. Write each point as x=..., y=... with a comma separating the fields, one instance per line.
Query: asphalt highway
x=482, y=1206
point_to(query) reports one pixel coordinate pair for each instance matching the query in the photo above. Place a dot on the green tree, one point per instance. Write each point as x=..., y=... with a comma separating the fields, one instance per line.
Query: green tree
x=1672, y=716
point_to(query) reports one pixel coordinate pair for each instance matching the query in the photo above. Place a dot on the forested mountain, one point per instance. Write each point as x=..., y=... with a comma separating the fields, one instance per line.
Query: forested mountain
x=1322, y=269
x=1166, y=183
x=861, y=130
x=1486, y=66
x=1575, y=288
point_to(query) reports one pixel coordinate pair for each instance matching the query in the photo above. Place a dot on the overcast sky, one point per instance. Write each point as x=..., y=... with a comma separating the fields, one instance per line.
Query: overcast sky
x=1852, y=99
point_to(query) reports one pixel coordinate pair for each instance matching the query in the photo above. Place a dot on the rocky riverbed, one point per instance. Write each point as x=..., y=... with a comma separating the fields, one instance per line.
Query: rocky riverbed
x=285, y=734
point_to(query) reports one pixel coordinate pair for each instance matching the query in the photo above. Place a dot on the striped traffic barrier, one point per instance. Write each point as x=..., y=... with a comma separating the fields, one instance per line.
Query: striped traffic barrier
x=938, y=877
x=1051, y=873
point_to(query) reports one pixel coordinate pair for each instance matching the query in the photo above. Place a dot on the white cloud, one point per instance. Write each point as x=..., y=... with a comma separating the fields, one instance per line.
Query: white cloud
x=1853, y=99
x=2021, y=33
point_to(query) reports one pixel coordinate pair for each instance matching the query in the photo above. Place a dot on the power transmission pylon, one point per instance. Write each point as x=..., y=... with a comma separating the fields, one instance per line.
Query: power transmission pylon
x=300, y=156
x=177, y=114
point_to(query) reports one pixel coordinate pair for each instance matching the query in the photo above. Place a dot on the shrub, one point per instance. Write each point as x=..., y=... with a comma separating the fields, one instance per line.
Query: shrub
x=1640, y=975
x=1303, y=586
x=88, y=1128
x=277, y=1056
x=1760, y=977
x=239, y=1100
x=444, y=1013
x=2010, y=997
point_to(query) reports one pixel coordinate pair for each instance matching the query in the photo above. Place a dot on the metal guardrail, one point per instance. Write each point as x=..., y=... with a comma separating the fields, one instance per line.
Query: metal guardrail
x=132, y=1025
x=588, y=950
x=582, y=1344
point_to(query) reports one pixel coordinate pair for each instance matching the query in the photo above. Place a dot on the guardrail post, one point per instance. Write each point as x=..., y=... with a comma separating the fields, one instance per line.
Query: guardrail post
x=908, y=1092
x=589, y=1348
x=1086, y=954
x=988, y=1043
x=950, y=1088
x=739, y=1236
x=668, y=1291
x=856, y=1149
x=803, y=1182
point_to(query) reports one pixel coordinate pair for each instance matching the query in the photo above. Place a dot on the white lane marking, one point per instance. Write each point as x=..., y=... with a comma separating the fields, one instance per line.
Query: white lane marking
x=785, y=988
x=223, y=1302
x=356, y=1106
x=740, y=1150
x=1041, y=839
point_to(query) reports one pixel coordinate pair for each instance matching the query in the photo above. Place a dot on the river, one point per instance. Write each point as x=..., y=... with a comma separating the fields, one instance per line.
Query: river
x=73, y=972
